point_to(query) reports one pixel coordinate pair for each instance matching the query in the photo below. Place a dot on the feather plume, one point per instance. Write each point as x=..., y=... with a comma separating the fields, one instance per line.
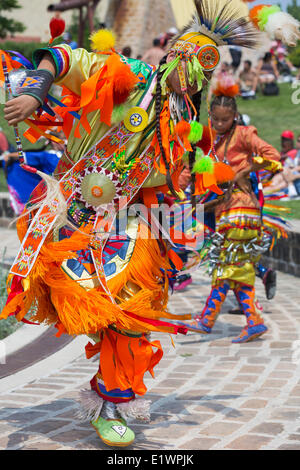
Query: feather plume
x=283, y=27
x=103, y=40
x=57, y=26
x=226, y=22
x=226, y=87
x=138, y=409
x=276, y=23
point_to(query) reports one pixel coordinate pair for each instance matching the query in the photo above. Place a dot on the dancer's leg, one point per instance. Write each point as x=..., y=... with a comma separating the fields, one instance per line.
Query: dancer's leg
x=268, y=277
x=125, y=356
x=255, y=324
x=205, y=322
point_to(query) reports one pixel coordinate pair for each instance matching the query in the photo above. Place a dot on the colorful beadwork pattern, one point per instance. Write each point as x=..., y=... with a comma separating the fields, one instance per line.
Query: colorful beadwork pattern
x=34, y=237
x=209, y=57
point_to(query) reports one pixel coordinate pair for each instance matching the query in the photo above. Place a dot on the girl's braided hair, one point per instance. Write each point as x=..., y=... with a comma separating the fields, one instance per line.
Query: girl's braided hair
x=226, y=102
x=158, y=109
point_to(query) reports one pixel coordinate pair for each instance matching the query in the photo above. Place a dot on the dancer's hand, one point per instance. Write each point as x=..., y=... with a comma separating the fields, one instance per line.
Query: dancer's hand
x=228, y=192
x=20, y=108
x=243, y=183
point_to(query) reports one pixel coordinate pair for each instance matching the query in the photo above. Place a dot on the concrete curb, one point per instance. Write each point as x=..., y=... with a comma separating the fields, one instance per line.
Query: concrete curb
x=24, y=335
x=43, y=368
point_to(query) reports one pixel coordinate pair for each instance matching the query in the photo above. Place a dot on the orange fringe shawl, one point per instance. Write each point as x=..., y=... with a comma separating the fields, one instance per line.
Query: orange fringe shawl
x=58, y=299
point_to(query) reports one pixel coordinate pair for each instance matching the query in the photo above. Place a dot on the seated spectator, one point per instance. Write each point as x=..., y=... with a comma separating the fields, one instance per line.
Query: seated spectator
x=298, y=146
x=268, y=75
x=287, y=145
x=236, y=55
x=248, y=80
x=284, y=66
x=154, y=55
x=126, y=51
x=288, y=180
x=20, y=182
x=293, y=165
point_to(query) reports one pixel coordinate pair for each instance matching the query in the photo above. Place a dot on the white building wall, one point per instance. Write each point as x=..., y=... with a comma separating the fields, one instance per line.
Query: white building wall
x=34, y=15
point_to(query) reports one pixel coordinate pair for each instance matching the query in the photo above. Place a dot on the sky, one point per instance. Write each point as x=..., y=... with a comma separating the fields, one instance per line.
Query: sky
x=283, y=3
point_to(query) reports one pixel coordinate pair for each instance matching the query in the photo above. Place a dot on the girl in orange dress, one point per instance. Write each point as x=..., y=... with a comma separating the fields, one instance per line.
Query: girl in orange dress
x=238, y=240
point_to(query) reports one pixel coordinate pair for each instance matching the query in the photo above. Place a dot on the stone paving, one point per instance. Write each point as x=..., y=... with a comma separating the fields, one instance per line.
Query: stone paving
x=208, y=393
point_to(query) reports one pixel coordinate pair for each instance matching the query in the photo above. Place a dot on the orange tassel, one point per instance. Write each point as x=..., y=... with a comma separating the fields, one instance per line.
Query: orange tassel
x=223, y=172
x=61, y=300
x=204, y=182
x=114, y=81
x=254, y=14
x=183, y=129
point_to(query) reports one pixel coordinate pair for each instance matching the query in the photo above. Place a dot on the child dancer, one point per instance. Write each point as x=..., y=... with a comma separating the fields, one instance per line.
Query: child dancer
x=238, y=240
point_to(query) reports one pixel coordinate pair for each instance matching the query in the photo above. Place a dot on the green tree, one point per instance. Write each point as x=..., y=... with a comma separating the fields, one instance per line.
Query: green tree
x=9, y=25
x=294, y=9
x=294, y=56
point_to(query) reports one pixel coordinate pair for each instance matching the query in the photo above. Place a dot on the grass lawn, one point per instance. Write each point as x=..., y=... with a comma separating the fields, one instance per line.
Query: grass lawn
x=9, y=325
x=3, y=185
x=294, y=207
x=273, y=114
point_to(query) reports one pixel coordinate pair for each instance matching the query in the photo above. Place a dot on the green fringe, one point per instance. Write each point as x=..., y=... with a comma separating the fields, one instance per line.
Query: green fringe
x=196, y=132
x=198, y=73
x=169, y=68
x=119, y=112
x=203, y=164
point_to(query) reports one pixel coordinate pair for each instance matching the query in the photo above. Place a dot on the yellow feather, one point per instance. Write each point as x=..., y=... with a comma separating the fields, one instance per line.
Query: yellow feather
x=102, y=40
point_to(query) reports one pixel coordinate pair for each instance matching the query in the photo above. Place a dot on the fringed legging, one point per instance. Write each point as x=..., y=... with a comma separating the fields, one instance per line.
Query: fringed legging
x=245, y=296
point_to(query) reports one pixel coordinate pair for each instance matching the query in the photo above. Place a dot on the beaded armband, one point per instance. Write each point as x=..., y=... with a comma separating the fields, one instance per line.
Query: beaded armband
x=31, y=82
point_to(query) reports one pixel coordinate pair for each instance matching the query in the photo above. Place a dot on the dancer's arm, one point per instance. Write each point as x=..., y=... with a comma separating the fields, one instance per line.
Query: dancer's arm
x=257, y=146
x=68, y=67
x=20, y=108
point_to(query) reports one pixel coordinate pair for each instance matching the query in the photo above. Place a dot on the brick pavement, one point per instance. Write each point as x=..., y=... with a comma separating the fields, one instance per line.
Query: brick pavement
x=208, y=393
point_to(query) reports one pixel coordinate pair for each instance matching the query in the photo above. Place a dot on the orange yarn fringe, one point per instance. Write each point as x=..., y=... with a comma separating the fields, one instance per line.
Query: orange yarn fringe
x=58, y=299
